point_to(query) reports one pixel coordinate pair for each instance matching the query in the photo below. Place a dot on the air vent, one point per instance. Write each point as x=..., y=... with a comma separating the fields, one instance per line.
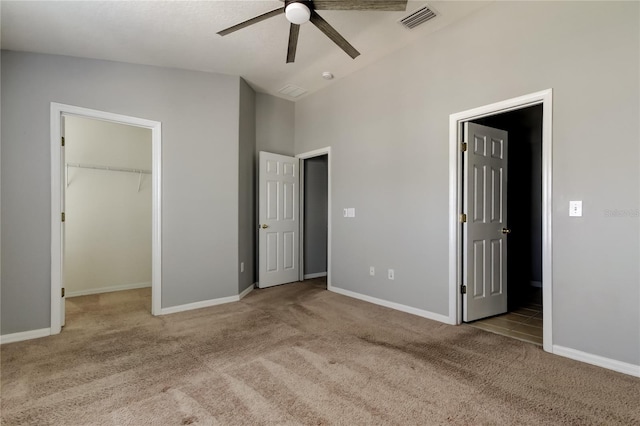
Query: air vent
x=418, y=17
x=292, y=91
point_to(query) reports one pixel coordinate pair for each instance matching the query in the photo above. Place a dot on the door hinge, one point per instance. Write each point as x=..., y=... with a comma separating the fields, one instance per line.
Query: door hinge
x=62, y=292
x=62, y=218
x=463, y=289
x=463, y=218
x=62, y=140
x=463, y=147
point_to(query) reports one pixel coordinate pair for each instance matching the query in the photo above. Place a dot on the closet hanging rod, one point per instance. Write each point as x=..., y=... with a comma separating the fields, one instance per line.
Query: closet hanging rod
x=112, y=169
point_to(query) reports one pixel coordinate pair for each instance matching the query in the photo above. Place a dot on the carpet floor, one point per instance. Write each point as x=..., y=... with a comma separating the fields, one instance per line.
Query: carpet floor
x=294, y=354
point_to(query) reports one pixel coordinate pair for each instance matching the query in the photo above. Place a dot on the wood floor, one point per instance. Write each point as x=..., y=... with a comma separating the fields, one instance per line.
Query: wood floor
x=523, y=323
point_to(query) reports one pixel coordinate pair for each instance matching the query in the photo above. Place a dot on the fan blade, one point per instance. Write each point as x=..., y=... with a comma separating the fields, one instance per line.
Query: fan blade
x=251, y=21
x=330, y=32
x=293, y=43
x=382, y=5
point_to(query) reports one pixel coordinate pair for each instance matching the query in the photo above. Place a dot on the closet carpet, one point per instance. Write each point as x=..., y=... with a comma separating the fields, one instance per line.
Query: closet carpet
x=294, y=354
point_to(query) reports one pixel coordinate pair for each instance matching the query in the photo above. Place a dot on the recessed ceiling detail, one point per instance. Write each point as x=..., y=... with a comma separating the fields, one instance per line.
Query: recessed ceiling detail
x=418, y=17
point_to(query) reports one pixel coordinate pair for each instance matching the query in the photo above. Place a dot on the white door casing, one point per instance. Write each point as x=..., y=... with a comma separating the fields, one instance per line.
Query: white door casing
x=63, y=230
x=456, y=121
x=58, y=182
x=279, y=222
x=485, y=231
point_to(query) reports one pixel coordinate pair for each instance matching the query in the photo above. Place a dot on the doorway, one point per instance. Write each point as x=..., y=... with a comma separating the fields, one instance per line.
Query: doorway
x=107, y=214
x=320, y=159
x=522, y=317
x=313, y=203
x=281, y=215
x=535, y=107
x=58, y=187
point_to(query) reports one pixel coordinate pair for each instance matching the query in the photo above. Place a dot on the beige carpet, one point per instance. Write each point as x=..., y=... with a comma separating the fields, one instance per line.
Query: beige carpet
x=294, y=354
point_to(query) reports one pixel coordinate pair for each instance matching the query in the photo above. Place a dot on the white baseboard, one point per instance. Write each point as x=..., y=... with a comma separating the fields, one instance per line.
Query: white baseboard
x=247, y=291
x=600, y=361
x=108, y=289
x=199, y=305
x=537, y=284
x=25, y=335
x=397, y=306
x=316, y=275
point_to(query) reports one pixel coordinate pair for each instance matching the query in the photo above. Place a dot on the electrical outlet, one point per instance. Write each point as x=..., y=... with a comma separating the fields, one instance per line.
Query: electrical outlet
x=241, y=266
x=391, y=274
x=372, y=270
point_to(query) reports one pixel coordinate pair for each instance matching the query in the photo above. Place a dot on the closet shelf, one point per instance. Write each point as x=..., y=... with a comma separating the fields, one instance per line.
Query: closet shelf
x=139, y=172
x=112, y=169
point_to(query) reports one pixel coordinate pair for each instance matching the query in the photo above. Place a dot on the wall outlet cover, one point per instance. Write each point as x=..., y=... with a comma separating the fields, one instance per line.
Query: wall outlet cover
x=575, y=208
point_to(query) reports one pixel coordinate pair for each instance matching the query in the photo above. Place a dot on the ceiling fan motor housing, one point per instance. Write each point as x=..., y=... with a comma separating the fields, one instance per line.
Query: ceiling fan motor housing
x=297, y=12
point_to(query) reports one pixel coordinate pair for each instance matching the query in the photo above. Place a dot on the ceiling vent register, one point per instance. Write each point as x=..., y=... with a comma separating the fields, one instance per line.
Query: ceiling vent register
x=418, y=17
x=292, y=91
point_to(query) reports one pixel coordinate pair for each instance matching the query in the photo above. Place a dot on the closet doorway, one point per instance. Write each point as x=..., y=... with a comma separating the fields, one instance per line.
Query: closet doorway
x=107, y=213
x=105, y=209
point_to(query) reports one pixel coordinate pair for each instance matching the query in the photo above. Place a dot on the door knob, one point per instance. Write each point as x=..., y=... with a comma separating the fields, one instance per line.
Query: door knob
x=506, y=230
x=265, y=226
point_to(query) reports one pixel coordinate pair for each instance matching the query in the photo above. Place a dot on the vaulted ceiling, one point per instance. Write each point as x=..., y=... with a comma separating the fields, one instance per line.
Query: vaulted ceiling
x=183, y=34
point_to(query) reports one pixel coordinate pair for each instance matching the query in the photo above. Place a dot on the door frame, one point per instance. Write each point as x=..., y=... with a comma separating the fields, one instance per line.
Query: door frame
x=59, y=110
x=545, y=98
x=305, y=156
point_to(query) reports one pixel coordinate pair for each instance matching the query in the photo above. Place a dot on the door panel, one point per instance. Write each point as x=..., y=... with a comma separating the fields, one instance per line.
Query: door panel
x=485, y=202
x=279, y=222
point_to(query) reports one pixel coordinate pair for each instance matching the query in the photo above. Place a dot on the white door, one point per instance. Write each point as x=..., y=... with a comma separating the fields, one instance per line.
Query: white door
x=485, y=230
x=279, y=223
x=63, y=167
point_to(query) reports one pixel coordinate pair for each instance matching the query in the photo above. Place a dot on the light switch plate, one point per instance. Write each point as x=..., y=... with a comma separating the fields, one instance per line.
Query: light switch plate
x=345, y=212
x=575, y=208
x=352, y=212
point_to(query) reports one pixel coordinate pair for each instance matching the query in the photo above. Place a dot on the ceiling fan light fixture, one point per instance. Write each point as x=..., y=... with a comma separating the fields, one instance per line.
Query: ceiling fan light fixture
x=297, y=13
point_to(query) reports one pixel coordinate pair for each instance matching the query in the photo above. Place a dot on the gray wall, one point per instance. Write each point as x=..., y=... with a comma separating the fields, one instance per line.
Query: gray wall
x=388, y=129
x=246, y=182
x=315, y=215
x=199, y=115
x=274, y=124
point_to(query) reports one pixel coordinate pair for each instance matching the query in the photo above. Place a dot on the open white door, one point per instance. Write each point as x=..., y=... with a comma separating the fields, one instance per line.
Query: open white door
x=63, y=188
x=279, y=223
x=485, y=230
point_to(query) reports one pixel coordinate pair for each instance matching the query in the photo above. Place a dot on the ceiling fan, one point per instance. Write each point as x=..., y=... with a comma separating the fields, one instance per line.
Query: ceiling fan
x=299, y=12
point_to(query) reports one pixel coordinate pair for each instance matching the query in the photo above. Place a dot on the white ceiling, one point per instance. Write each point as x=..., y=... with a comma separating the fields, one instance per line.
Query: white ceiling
x=182, y=34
